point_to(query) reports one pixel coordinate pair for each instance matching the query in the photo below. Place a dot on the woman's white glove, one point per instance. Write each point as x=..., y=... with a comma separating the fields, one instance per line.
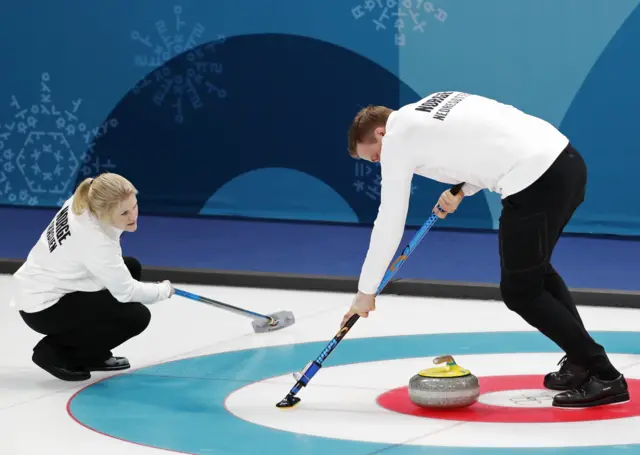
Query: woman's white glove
x=167, y=290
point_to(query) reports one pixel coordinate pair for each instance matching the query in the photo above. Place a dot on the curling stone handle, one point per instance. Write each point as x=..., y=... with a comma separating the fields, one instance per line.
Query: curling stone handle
x=448, y=359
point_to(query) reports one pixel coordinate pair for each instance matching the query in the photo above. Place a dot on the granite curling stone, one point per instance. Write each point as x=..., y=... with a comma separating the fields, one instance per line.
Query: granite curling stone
x=445, y=387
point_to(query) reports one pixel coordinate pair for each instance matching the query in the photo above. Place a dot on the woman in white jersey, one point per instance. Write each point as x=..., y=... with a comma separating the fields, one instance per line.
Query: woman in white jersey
x=77, y=289
x=456, y=137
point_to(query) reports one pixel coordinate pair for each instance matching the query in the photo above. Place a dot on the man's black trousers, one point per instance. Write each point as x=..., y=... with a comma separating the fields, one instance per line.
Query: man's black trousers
x=530, y=226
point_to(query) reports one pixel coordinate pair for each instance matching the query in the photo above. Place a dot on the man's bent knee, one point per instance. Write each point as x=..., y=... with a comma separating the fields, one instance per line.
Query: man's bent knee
x=521, y=289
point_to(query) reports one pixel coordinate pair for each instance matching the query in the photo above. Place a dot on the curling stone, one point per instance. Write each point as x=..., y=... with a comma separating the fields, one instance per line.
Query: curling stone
x=446, y=387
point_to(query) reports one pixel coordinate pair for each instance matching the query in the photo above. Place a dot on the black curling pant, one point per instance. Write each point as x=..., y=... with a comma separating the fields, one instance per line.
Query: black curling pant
x=530, y=226
x=83, y=327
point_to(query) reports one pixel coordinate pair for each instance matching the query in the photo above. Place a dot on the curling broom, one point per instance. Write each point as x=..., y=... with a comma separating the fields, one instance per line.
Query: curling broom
x=262, y=323
x=314, y=366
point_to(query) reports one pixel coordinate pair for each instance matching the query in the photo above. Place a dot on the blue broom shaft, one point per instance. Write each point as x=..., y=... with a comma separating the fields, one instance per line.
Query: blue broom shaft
x=225, y=306
x=315, y=365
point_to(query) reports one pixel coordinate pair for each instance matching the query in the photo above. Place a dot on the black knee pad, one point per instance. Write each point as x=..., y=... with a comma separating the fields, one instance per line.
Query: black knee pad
x=134, y=266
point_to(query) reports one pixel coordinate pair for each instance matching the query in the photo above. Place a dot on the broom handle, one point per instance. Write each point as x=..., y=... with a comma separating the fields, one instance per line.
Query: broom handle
x=224, y=306
x=316, y=364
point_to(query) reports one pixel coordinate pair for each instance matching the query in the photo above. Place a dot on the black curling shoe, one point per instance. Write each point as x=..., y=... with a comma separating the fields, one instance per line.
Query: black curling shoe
x=59, y=370
x=568, y=377
x=111, y=364
x=594, y=392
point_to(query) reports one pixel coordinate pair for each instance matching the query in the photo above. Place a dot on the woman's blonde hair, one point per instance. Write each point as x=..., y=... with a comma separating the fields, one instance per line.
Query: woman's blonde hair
x=102, y=195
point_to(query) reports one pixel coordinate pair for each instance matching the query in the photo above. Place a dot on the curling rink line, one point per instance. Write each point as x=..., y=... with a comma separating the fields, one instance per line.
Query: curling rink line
x=180, y=327
x=188, y=409
x=351, y=412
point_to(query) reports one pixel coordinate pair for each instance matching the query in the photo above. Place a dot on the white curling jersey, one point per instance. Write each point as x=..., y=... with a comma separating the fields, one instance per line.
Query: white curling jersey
x=453, y=137
x=78, y=253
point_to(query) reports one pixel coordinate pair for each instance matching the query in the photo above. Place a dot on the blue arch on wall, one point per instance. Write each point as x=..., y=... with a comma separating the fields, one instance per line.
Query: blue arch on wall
x=289, y=103
x=603, y=124
x=238, y=197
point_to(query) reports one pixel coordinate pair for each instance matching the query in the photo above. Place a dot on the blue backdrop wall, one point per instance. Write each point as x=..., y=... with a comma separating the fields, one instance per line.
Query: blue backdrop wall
x=241, y=108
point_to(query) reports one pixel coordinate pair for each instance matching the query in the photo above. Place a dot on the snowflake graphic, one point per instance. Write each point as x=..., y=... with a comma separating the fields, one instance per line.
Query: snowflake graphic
x=400, y=16
x=368, y=180
x=188, y=87
x=363, y=183
x=42, y=149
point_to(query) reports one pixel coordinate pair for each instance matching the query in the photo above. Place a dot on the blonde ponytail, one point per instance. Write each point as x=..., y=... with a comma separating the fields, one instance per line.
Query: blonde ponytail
x=102, y=195
x=81, y=197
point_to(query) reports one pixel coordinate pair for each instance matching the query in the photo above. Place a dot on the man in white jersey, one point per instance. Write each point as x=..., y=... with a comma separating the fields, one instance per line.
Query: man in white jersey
x=455, y=137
